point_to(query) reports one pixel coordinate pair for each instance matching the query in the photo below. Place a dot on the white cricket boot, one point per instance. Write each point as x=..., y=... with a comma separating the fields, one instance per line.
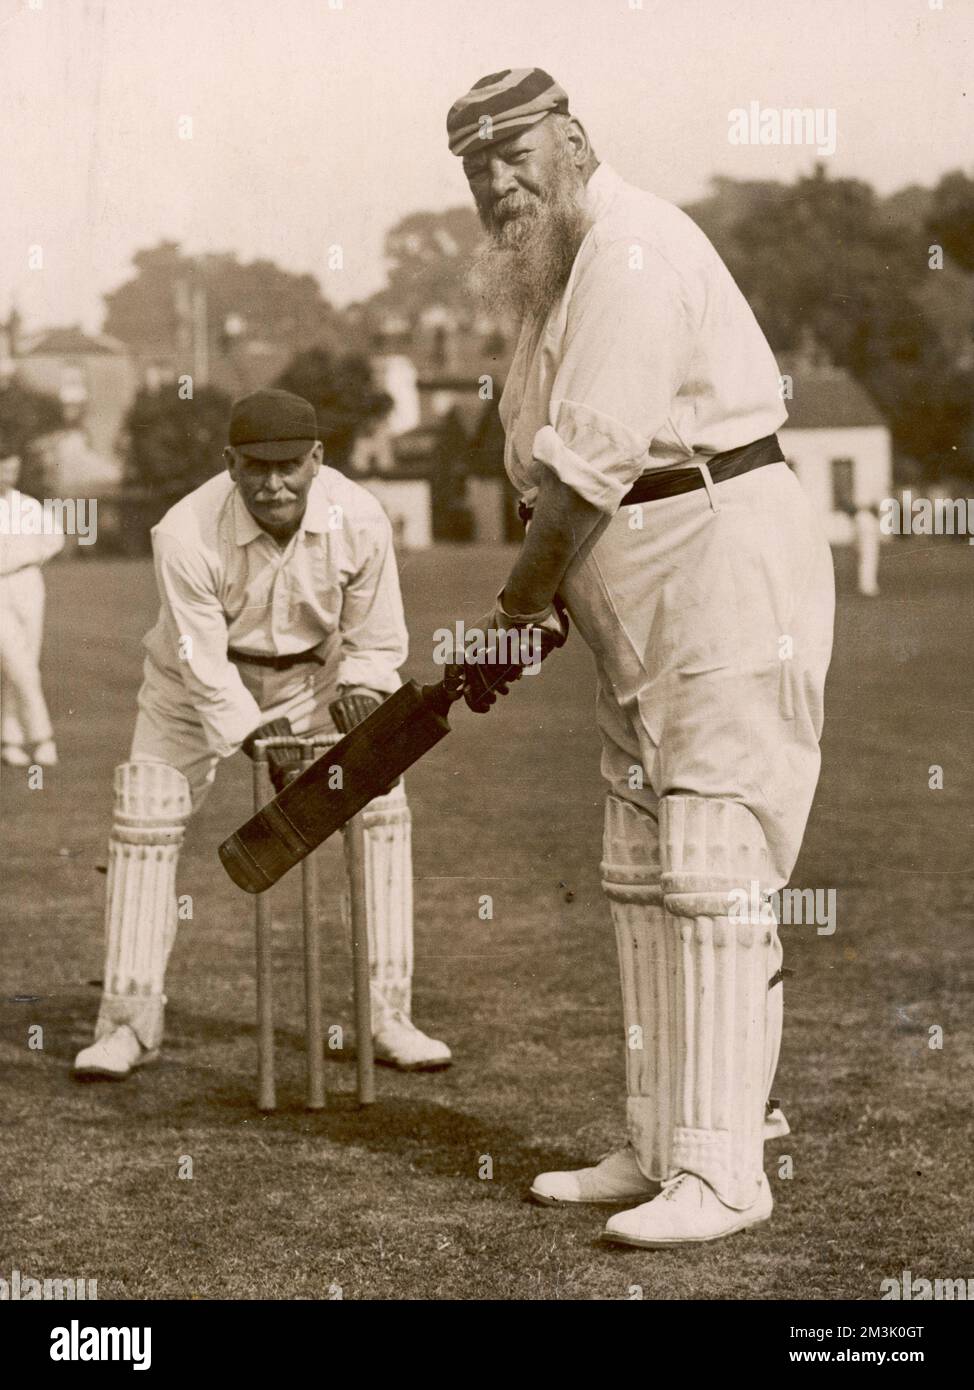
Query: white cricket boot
x=686, y=1212
x=45, y=754
x=15, y=755
x=397, y=1042
x=613, y=1180
x=114, y=1057
x=775, y=1124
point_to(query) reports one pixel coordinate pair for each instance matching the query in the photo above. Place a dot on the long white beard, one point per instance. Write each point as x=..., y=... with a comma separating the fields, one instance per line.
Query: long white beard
x=523, y=265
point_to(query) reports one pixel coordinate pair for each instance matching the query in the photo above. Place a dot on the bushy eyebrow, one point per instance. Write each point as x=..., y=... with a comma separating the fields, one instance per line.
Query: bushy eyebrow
x=473, y=163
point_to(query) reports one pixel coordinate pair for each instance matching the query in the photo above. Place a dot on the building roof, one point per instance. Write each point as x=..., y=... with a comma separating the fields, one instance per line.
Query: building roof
x=464, y=356
x=73, y=342
x=826, y=397
x=465, y=404
x=418, y=443
x=248, y=367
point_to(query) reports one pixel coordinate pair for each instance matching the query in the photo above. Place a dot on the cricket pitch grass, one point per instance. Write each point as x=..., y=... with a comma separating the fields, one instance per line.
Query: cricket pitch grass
x=422, y=1196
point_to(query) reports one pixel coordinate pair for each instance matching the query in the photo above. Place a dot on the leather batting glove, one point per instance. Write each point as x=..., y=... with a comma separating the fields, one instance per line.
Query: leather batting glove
x=354, y=703
x=283, y=764
x=486, y=679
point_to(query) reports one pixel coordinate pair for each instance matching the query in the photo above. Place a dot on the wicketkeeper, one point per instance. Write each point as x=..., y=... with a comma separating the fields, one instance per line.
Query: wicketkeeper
x=640, y=414
x=279, y=596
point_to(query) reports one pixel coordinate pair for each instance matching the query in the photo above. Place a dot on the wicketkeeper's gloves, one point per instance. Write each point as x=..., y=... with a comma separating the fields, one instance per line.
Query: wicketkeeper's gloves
x=528, y=637
x=283, y=764
x=354, y=704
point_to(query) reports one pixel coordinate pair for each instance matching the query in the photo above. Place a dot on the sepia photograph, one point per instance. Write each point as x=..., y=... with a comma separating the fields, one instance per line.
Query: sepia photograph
x=486, y=666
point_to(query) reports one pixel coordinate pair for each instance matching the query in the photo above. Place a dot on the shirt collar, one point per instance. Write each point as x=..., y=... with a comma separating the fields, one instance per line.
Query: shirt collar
x=316, y=512
x=600, y=190
x=245, y=528
x=315, y=519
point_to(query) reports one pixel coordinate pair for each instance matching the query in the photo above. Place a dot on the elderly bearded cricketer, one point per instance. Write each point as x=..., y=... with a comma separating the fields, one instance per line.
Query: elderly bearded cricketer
x=640, y=413
x=279, y=592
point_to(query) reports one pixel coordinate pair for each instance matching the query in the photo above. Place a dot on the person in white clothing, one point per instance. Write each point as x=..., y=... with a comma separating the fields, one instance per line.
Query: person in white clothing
x=866, y=520
x=27, y=541
x=640, y=413
x=280, y=614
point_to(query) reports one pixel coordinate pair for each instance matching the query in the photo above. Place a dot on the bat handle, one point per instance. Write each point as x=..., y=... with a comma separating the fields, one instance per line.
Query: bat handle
x=442, y=696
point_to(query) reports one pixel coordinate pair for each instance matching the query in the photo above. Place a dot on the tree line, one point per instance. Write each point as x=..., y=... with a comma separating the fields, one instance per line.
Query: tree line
x=884, y=286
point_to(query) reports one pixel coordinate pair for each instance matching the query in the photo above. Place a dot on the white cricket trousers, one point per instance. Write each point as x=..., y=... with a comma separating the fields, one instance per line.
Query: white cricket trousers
x=712, y=634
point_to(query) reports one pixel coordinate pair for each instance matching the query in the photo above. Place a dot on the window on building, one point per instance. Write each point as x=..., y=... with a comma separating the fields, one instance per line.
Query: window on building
x=843, y=474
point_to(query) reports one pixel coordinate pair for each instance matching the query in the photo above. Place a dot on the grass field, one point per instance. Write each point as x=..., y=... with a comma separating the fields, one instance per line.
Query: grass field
x=389, y=1203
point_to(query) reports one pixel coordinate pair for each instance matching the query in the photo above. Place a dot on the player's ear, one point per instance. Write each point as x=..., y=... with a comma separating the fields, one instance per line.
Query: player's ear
x=230, y=459
x=317, y=453
x=578, y=142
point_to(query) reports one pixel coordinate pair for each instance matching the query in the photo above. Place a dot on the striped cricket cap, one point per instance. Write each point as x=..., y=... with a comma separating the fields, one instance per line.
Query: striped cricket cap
x=499, y=105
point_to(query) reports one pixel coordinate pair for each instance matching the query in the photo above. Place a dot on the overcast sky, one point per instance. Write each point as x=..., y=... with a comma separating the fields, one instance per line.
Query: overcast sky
x=316, y=122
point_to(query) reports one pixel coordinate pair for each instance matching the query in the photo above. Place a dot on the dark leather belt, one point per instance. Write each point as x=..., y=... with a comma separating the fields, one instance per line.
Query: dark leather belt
x=277, y=663
x=671, y=482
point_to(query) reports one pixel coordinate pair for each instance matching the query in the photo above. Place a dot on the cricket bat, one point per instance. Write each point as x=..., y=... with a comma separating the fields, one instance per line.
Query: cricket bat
x=340, y=783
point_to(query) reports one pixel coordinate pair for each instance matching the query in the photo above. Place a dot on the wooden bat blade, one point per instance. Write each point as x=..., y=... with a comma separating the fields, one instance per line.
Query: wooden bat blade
x=336, y=787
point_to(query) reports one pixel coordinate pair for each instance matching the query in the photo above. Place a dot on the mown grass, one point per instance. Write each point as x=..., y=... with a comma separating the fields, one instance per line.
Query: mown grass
x=389, y=1203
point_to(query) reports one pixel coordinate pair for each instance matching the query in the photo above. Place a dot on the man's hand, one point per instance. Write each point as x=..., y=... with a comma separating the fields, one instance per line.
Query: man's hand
x=283, y=764
x=354, y=703
x=512, y=642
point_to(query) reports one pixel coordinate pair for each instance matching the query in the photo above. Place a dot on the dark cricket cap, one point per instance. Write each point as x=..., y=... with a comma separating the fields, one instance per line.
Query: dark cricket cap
x=272, y=425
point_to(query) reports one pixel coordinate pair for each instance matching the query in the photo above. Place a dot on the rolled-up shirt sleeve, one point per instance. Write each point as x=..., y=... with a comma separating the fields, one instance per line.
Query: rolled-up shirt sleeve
x=628, y=344
x=372, y=626
x=197, y=628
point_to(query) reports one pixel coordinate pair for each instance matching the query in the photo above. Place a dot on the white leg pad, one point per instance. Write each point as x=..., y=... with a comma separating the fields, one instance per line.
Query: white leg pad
x=389, y=900
x=152, y=805
x=712, y=852
x=776, y=1004
x=631, y=882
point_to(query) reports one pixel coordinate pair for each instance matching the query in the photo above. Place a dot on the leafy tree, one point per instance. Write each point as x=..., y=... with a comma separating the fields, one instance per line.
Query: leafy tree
x=25, y=414
x=951, y=219
x=827, y=258
x=344, y=394
x=173, y=445
x=151, y=311
x=427, y=253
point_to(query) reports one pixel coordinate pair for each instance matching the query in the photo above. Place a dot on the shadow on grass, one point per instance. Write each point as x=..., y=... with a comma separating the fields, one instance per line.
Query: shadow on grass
x=434, y=1137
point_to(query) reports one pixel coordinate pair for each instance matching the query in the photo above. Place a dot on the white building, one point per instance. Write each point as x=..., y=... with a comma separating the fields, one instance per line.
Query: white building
x=836, y=441
x=407, y=502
